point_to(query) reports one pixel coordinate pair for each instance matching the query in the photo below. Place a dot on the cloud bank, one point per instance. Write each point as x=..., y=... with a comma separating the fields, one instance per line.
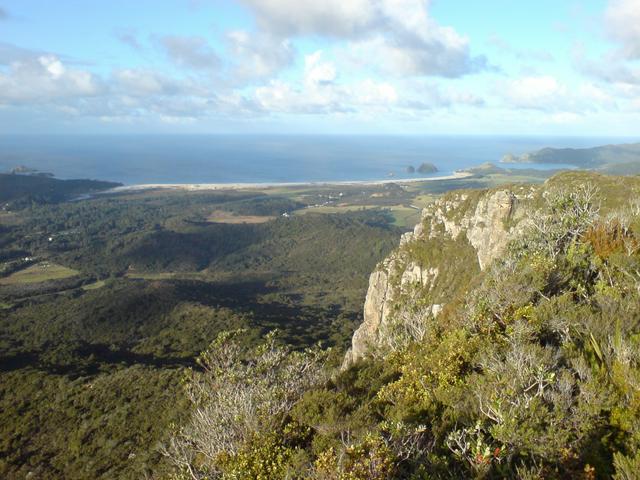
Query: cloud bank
x=399, y=35
x=359, y=60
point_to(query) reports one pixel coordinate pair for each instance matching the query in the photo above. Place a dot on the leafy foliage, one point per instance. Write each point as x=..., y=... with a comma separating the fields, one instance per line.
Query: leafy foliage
x=240, y=400
x=533, y=373
x=23, y=190
x=90, y=367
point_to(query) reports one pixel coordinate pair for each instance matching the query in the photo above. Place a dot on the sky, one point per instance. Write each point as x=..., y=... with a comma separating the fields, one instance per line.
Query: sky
x=491, y=67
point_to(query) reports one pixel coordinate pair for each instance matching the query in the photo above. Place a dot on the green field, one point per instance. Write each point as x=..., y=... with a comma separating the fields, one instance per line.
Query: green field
x=40, y=272
x=150, y=275
x=405, y=217
x=94, y=286
x=334, y=209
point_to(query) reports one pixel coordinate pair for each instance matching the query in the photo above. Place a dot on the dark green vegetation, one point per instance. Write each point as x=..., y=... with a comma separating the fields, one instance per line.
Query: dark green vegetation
x=18, y=191
x=613, y=159
x=90, y=365
x=532, y=371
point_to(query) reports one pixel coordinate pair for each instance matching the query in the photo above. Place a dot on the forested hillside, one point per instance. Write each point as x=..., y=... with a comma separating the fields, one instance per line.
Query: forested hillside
x=104, y=303
x=18, y=190
x=529, y=367
x=616, y=159
x=500, y=340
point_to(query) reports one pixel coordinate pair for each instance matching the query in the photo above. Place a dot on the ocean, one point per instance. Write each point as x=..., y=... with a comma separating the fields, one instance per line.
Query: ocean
x=139, y=159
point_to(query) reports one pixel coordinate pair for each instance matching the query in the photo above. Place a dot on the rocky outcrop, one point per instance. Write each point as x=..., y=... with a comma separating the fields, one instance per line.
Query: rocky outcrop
x=487, y=221
x=376, y=310
x=486, y=230
x=484, y=225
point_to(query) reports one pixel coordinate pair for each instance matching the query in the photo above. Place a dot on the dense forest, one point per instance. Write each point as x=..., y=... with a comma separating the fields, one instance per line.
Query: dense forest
x=531, y=370
x=19, y=190
x=202, y=335
x=92, y=355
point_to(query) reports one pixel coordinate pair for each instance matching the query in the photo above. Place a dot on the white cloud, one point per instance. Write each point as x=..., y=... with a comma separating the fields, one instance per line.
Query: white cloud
x=608, y=69
x=191, y=52
x=258, y=56
x=381, y=36
x=595, y=95
x=45, y=78
x=415, y=57
x=616, y=69
x=563, y=118
x=421, y=95
x=44, y=83
x=524, y=54
x=128, y=37
x=139, y=94
x=139, y=82
x=335, y=18
x=538, y=92
x=547, y=94
x=317, y=72
x=10, y=53
x=396, y=35
x=623, y=24
x=283, y=97
x=319, y=93
x=371, y=93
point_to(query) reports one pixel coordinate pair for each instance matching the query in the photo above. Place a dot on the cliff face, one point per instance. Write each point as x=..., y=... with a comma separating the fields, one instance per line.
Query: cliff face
x=458, y=236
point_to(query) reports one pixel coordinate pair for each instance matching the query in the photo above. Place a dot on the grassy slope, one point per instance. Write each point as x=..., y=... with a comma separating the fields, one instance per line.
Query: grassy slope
x=40, y=272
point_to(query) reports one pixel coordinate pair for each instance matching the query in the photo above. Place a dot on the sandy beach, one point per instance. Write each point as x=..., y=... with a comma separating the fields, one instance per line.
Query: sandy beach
x=243, y=186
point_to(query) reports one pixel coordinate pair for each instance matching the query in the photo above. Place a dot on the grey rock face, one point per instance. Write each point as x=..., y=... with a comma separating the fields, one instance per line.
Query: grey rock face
x=484, y=224
x=486, y=230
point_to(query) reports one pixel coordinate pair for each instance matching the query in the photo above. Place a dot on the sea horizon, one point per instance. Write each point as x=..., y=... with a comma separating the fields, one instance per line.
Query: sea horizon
x=135, y=159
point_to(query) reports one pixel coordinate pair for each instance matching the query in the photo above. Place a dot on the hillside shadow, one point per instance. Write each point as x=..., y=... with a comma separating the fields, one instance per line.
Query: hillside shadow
x=301, y=325
x=90, y=359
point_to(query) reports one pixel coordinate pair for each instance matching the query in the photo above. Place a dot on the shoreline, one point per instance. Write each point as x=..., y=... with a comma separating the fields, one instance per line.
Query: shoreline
x=241, y=186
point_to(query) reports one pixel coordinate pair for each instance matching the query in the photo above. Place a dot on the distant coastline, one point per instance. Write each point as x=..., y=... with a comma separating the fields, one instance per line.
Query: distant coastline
x=228, y=159
x=242, y=186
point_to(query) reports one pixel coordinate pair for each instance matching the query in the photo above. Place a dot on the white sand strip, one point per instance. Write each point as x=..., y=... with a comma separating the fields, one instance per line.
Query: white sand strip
x=243, y=186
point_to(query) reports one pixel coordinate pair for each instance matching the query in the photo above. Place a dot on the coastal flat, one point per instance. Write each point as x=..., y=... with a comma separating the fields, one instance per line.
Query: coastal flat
x=251, y=186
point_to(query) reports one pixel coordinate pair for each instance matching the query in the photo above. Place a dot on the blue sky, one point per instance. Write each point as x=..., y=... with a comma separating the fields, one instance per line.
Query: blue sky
x=331, y=66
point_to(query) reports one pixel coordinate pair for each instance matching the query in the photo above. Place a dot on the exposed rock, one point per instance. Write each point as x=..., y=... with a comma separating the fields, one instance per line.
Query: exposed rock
x=414, y=274
x=487, y=222
x=376, y=309
x=486, y=230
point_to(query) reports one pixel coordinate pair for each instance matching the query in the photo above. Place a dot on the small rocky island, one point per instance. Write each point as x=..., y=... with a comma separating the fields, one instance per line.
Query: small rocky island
x=423, y=168
x=427, y=168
